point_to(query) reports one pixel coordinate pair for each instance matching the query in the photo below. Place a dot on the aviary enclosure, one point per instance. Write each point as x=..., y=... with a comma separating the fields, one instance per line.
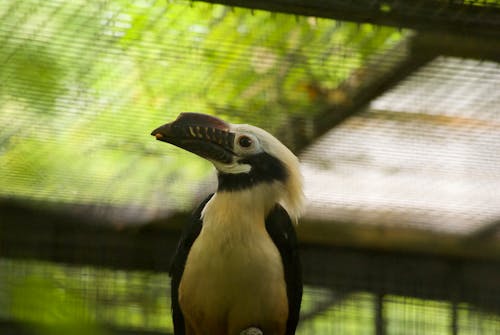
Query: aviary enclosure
x=392, y=106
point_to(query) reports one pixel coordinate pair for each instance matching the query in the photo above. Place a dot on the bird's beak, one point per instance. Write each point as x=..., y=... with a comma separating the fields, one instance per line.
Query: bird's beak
x=204, y=135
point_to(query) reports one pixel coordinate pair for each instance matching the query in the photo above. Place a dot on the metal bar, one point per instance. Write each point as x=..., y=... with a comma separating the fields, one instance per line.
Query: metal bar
x=379, y=315
x=454, y=318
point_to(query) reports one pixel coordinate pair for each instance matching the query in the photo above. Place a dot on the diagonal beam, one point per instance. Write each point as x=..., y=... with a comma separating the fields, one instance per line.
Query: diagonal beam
x=485, y=232
x=355, y=93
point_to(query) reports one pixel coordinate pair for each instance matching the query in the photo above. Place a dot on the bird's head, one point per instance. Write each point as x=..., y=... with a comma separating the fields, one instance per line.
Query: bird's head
x=244, y=156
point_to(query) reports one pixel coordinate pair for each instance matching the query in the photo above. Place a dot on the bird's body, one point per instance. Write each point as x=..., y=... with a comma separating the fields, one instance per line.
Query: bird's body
x=233, y=276
x=237, y=265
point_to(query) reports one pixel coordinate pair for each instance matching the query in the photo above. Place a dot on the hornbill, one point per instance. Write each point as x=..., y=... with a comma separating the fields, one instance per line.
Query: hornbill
x=236, y=269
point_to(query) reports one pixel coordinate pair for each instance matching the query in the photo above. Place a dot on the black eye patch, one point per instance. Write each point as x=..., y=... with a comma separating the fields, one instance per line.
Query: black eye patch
x=264, y=169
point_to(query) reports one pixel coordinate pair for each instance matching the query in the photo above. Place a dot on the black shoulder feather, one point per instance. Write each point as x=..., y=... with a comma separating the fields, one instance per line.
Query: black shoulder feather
x=189, y=235
x=280, y=228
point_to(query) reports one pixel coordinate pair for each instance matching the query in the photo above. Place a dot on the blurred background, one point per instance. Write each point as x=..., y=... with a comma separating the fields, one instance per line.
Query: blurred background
x=392, y=106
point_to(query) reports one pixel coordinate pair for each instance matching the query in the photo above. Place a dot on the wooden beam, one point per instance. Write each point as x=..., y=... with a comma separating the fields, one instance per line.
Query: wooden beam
x=30, y=328
x=458, y=45
x=422, y=15
x=44, y=233
x=397, y=239
x=329, y=259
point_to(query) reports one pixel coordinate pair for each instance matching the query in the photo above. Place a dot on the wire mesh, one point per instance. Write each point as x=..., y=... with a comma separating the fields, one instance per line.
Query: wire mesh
x=52, y=294
x=100, y=299
x=83, y=83
x=91, y=80
x=425, y=154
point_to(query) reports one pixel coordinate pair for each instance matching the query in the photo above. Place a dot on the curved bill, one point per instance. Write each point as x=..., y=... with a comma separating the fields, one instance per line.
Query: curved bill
x=203, y=135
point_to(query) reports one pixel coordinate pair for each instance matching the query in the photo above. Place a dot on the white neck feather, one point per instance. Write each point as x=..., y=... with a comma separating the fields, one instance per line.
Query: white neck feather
x=255, y=202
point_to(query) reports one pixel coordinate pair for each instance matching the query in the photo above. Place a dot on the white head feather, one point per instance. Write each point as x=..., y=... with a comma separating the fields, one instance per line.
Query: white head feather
x=290, y=194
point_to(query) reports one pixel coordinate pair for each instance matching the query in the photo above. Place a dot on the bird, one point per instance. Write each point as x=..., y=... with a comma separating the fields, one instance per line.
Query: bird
x=237, y=269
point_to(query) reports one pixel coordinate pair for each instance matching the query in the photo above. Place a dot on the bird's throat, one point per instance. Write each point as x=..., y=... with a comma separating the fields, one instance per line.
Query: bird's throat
x=248, y=206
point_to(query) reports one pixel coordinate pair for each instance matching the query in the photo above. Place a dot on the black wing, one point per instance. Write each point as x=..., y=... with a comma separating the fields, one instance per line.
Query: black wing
x=189, y=235
x=280, y=228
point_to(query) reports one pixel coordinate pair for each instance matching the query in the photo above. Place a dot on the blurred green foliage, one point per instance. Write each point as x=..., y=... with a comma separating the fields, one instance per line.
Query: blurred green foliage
x=53, y=299
x=48, y=308
x=83, y=83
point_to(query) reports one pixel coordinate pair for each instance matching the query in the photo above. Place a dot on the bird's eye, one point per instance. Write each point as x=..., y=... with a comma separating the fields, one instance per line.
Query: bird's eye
x=245, y=142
